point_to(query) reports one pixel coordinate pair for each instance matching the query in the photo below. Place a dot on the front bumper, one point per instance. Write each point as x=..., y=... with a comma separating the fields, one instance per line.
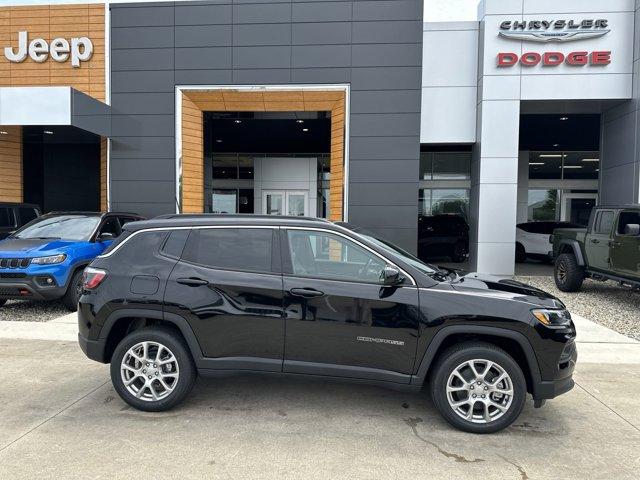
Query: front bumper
x=563, y=382
x=30, y=287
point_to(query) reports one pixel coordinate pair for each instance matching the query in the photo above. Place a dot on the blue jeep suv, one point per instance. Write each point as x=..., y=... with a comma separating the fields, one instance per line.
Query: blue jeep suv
x=44, y=259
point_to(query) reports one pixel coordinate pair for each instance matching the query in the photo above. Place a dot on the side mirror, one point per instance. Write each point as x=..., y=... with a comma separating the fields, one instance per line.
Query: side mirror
x=632, y=229
x=390, y=276
x=105, y=237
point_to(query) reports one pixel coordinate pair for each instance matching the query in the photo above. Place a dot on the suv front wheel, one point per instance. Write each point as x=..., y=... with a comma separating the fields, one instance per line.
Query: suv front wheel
x=152, y=369
x=477, y=387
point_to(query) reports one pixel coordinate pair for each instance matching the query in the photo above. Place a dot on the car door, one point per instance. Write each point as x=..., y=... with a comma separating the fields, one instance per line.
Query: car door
x=340, y=319
x=625, y=246
x=228, y=286
x=597, y=240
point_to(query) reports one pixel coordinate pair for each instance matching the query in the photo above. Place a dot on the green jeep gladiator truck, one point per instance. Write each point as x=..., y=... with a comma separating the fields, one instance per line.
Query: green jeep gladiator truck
x=608, y=249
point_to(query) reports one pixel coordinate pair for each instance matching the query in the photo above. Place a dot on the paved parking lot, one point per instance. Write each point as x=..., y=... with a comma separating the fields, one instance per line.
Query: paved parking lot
x=60, y=418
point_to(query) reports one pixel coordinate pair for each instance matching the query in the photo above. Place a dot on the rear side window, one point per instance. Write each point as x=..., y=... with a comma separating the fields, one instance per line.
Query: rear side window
x=627, y=218
x=243, y=249
x=174, y=244
x=27, y=214
x=604, y=222
x=7, y=218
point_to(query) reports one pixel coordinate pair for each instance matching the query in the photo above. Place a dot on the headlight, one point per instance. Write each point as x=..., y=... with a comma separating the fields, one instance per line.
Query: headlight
x=49, y=260
x=552, y=318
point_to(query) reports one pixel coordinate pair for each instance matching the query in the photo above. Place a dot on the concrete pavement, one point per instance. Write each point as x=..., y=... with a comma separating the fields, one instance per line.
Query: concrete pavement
x=60, y=418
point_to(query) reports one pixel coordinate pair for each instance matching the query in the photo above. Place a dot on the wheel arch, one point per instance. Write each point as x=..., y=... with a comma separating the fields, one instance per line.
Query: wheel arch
x=514, y=343
x=123, y=321
x=573, y=247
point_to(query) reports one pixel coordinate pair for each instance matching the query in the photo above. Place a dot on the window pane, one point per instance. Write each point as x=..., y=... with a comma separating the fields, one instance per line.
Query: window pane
x=543, y=205
x=424, y=202
x=627, y=218
x=244, y=249
x=545, y=165
x=27, y=214
x=426, y=163
x=245, y=201
x=450, y=201
x=224, y=201
x=581, y=165
x=245, y=167
x=225, y=166
x=324, y=255
x=451, y=165
x=175, y=243
x=6, y=217
x=604, y=223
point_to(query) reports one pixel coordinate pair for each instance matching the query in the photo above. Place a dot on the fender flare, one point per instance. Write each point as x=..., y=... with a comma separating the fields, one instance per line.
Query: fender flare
x=575, y=247
x=441, y=336
x=177, y=320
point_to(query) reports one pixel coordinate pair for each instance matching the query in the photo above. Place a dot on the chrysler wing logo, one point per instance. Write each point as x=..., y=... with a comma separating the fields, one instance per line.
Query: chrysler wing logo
x=553, y=30
x=564, y=36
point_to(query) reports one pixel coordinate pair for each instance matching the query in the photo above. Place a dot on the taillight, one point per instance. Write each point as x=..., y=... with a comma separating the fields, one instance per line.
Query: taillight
x=92, y=277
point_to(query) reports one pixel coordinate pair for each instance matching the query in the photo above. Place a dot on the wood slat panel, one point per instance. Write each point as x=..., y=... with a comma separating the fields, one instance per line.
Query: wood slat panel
x=11, y=168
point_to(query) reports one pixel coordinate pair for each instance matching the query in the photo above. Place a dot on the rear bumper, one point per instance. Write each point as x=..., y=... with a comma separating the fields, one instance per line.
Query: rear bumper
x=94, y=349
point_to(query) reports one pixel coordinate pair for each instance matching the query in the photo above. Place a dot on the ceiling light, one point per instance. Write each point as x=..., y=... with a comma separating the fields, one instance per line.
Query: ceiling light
x=299, y=121
x=238, y=121
x=48, y=132
x=590, y=159
x=4, y=133
x=556, y=144
x=597, y=169
x=572, y=166
x=562, y=119
x=305, y=129
x=218, y=140
x=550, y=155
x=536, y=163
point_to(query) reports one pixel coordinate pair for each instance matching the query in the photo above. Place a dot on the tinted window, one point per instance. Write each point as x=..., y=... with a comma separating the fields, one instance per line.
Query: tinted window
x=111, y=226
x=325, y=255
x=125, y=220
x=604, y=222
x=27, y=214
x=627, y=218
x=6, y=217
x=174, y=244
x=244, y=249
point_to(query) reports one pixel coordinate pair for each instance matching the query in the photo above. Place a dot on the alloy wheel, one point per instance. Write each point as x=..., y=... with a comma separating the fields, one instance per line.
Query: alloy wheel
x=479, y=391
x=561, y=272
x=149, y=371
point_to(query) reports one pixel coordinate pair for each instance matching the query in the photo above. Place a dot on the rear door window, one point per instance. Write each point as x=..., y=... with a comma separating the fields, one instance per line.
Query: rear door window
x=627, y=218
x=240, y=249
x=604, y=222
x=7, y=218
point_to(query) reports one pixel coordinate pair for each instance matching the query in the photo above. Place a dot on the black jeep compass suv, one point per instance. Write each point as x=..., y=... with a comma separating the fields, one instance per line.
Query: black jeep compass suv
x=183, y=295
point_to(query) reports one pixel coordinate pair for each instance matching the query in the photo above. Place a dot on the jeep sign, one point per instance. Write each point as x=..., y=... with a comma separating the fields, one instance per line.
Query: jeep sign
x=79, y=50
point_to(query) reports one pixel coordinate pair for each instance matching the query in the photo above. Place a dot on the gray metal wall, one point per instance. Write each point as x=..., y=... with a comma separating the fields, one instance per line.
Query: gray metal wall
x=375, y=46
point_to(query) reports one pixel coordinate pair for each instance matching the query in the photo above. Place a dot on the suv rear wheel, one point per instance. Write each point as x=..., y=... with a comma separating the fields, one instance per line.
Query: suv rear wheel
x=152, y=369
x=567, y=273
x=477, y=387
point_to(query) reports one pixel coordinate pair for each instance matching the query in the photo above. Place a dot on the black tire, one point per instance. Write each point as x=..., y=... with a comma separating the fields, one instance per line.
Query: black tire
x=521, y=254
x=172, y=340
x=2, y=302
x=74, y=290
x=457, y=355
x=458, y=253
x=567, y=274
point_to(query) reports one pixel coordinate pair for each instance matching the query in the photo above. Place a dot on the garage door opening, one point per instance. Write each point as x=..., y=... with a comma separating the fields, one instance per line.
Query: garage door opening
x=61, y=168
x=271, y=163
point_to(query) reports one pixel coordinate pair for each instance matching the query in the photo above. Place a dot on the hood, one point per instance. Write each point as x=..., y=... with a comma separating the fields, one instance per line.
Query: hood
x=498, y=287
x=36, y=247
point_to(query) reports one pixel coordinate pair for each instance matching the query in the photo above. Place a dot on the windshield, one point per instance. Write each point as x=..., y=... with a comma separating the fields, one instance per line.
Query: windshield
x=398, y=252
x=68, y=227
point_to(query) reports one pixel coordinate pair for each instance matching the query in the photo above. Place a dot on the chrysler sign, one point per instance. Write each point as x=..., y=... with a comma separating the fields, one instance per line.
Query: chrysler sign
x=61, y=50
x=546, y=31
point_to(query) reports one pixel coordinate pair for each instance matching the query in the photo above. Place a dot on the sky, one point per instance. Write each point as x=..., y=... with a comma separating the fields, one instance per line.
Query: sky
x=450, y=10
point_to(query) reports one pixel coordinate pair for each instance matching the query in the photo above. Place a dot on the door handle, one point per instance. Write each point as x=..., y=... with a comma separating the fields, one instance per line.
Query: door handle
x=192, y=282
x=595, y=240
x=614, y=244
x=306, y=292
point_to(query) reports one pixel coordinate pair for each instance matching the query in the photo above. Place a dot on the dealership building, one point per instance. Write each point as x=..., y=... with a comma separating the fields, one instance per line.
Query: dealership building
x=346, y=109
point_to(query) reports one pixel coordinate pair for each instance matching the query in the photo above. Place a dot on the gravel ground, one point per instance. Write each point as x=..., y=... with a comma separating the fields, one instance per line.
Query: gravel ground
x=606, y=303
x=26, y=311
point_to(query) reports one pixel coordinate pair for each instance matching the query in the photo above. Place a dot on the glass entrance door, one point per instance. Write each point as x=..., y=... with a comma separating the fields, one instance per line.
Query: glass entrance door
x=285, y=202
